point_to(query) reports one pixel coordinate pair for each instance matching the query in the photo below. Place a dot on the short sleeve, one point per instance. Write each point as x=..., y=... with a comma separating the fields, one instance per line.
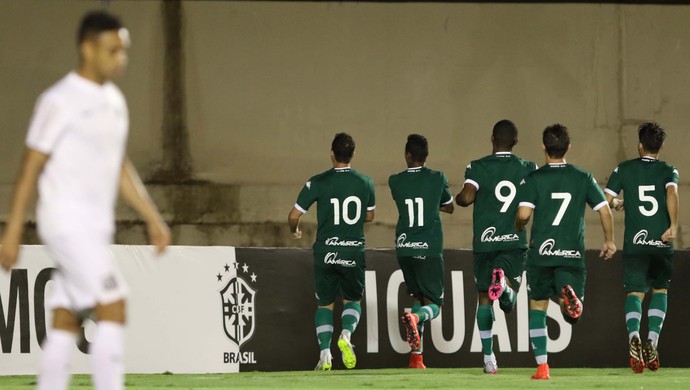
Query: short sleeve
x=446, y=195
x=595, y=196
x=472, y=175
x=306, y=197
x=48, y=123
x=372, y=196
x=614, y=185
x=673, y=177
x=527, y=193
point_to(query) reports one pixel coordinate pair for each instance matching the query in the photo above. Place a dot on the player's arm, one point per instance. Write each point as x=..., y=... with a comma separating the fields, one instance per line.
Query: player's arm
x=448, y=208
x=31, y=168
x=467, y=195
x=614, y=202
x=293, y=222
x=672, y=204
x=522, y=217
x=370, y=216
x=135, y=194
x=606, y=217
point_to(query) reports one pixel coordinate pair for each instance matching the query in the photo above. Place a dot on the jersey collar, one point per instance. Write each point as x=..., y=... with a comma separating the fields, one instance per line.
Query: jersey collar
x=647, y=158
x=558, y=164
x=415, y=169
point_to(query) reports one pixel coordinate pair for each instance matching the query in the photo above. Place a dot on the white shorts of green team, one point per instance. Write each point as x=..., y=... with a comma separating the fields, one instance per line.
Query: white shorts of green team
x=86, y=272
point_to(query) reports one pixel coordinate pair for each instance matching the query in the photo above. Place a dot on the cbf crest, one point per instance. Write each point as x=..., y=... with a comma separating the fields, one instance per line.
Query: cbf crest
x=238, y=300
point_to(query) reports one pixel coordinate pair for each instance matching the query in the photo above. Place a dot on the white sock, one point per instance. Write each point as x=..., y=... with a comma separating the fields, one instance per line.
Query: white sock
x=107, y=356
x=54, y=370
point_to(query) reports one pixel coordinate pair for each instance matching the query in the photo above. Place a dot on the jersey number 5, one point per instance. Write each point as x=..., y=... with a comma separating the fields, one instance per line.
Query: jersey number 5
x=346, y=210
x=647, y=198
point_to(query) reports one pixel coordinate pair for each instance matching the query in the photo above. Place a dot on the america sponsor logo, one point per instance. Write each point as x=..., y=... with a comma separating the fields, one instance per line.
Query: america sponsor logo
x=414, y=245
x=335, y=241
x=641, y=239
x=332, y=258
x=489, y=236
x=546, y=249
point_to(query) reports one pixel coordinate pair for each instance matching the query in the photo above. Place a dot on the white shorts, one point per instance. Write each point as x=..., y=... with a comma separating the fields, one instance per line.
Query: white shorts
x=86, y=273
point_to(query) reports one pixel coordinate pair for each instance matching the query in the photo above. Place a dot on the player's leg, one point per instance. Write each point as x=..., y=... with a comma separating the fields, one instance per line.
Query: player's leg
x=429, y=276
x=107, y=346
x=570, y=281
x=541, y=287
x=513, y=265
x=660, y=272
x=54, y=370
x=409, y=320
x=636, y=284
x=352, y=284
x=483, y=266
x=326, y=287
x=416, y=358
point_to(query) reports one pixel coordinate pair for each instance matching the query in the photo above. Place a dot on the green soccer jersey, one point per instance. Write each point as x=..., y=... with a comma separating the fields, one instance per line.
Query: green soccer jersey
x=558, y=194
x=343, y=196
x=419, y=193
x=496, y=178
x=644, y=182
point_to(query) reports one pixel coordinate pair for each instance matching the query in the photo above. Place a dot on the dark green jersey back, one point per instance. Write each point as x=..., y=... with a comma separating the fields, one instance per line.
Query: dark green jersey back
x=343, y=196
x=558, y=194
x=419, y=194
x=644, y=182
x=496, y=178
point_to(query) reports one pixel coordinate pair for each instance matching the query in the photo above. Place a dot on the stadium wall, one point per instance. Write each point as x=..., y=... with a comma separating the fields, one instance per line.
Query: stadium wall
x=269, y=83
x=224, y=309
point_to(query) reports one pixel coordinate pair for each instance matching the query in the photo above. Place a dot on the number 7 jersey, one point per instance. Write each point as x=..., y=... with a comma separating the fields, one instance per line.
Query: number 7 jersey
x=343, y=196
x=644, y=181
x=419, y=194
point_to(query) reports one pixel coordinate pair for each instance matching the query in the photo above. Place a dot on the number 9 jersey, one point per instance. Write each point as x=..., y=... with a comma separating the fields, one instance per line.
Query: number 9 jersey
x=644, y=182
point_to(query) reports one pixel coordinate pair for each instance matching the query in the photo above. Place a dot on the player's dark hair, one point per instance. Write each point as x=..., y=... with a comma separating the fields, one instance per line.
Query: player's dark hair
x=556, y=140
x=651, y=136
x=505, y=134
x=96, y=22
x=343, y=147
x=418, y=147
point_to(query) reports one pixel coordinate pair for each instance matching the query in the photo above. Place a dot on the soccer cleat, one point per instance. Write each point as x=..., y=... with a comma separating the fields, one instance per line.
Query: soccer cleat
x=325, y=363
x=490, y=366
x=636, y=360
x=348, y=352
x=410, y=321
x=651, y=356
x=416, y=361
x=498, y=284
x=573, y=306
x=542, y=372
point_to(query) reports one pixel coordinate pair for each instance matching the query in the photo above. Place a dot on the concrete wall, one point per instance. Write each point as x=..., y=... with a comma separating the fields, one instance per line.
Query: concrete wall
x=268, y=84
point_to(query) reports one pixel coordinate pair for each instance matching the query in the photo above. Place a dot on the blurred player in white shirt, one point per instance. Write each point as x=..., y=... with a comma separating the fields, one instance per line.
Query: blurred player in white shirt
x=75, y=152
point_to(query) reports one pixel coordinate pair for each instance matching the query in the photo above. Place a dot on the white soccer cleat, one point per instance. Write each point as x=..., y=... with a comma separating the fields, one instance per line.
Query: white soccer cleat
x=325, y=363
x=490, y=365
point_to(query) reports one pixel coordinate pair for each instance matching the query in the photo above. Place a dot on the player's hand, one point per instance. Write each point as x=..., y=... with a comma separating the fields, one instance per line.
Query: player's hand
x=297, y=234
x=9, y=252
x=607, y=250
x=618, y=204
x=159, y=235
x=670, y=234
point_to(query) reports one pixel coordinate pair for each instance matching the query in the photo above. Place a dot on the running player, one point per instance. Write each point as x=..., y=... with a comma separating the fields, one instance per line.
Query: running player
x=499, y=251
x=557, y=194
x=344, y=201
x=76, y=152
x=420, y=194
x=651, y=224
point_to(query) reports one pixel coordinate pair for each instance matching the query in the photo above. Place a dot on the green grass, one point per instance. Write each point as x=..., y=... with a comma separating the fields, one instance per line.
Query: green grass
x=466, y=378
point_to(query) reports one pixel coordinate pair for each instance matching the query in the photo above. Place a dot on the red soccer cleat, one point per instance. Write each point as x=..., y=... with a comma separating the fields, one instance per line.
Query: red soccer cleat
x=416, y=361
x=573, y=306
x=410, y=321
x=542, y=372
x=651, y=356
x=636, y=360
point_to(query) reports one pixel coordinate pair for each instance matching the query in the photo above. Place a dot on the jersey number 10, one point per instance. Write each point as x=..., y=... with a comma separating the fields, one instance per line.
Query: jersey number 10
x=346, y=210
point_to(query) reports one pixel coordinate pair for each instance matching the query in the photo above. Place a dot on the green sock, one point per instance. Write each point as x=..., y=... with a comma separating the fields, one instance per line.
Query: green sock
x=324, y=327
x=427, y=312
x=350, y=317
x=485, y=321
x=633, y=314
x=507, y=300
x=538, y=335
x=657, y=312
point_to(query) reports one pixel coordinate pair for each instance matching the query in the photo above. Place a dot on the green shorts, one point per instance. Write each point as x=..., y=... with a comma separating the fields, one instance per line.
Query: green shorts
x=512, y=262
x=338, y=273
x=640, y=271
x=546, y=282
x=424, y=276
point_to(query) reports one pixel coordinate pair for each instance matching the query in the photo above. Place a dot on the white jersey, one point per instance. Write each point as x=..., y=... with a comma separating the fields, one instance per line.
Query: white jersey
x=83, y=126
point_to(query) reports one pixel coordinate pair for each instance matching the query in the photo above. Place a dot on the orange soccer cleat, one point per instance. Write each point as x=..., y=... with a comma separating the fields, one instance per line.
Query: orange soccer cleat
x=542, y=372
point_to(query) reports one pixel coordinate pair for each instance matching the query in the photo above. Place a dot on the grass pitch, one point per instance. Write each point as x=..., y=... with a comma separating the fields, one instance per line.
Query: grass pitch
x=466, y=378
